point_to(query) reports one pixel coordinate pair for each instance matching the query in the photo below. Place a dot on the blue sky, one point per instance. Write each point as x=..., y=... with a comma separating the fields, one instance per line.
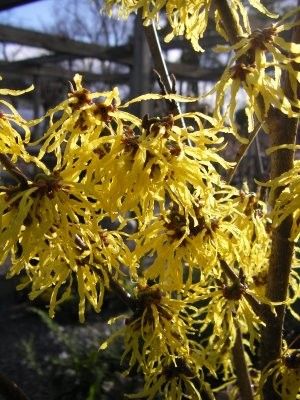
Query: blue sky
x=34, y=15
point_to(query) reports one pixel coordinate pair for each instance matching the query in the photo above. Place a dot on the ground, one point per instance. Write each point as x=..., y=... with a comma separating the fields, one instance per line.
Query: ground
x=58, y=361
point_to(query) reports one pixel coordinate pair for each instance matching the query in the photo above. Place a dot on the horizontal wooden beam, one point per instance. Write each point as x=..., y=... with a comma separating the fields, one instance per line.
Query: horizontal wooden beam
x=187, y=72
x=64, y=45
x=64, y=48
x=34, y=66
x=7, y=4
x=55, y=71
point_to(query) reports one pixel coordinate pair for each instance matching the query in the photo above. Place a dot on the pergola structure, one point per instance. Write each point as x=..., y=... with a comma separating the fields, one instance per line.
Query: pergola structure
x=133, y=58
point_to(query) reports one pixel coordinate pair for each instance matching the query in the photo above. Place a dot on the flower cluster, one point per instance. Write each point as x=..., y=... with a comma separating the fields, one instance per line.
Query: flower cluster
x=197, y=260
x=285, y=373
x=289, y=200
x=260, y=58
x=188, y=18
x=64, y=229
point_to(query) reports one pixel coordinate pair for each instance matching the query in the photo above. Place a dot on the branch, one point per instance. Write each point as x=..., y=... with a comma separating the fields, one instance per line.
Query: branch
x=283, y=130
x=238, y=351
x=10, y=390
x=229, y=22
x=123, y=295
x=243, y=151
x=14, y=170
x=166, y=80
x=240, y=366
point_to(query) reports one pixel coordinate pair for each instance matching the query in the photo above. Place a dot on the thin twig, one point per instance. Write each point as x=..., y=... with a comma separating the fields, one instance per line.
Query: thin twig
x=14, y=170
x=259, y=157
x=229, y=271
x=157, y=55
x=173, y=106
x=123, y=295
x=240, y=366
x=10, y=390
x=167, y=80
x=243, y=151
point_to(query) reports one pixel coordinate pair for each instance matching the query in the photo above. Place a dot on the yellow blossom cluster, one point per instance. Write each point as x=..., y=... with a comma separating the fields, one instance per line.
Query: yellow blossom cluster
x=186, y=17
x=109, y=165
x=285, y=375
x=196, y=264
x=288, y=202
x=260, y=59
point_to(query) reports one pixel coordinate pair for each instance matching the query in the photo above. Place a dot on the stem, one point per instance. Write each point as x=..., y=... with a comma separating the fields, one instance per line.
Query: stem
x=160, y=65
x=240, y=366
x=229, y=22
x=122, y=294
x=14, y=170
x=157, y=55
x=238, y=351
x=283, y=130
x=243, y=151
x=10, y=390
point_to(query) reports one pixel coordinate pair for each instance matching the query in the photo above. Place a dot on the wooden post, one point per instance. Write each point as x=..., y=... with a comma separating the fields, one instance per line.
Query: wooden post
x=141, y=69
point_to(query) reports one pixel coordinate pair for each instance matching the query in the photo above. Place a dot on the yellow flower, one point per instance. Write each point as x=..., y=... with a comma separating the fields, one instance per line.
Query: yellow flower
x=75, y=121
x=226, y=305
x=175, y=379
x=251, y=250
x=153, y=154
x=51, y=271
x=52, y=230
x=285, y=375
x=179, y=242
x=186, y=17
x=222, y=223
x=159, y=326
x=58, y=240
x=288, y=203
x=14, y=129
x=119, y=154
x=257, y=66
